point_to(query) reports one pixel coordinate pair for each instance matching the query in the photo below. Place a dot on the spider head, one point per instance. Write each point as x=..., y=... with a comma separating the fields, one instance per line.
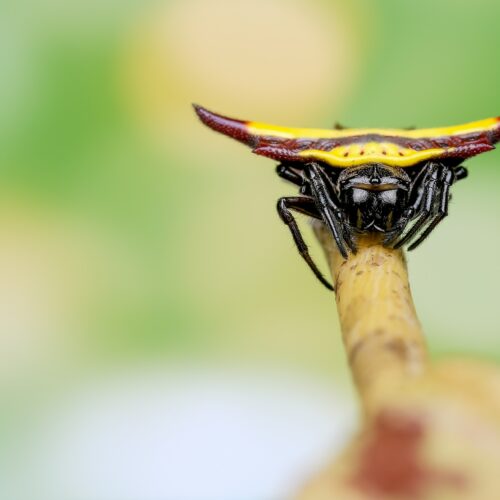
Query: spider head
x=375, y=196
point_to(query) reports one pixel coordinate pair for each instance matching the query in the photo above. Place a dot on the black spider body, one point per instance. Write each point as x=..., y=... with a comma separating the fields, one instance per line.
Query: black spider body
x=372, y=198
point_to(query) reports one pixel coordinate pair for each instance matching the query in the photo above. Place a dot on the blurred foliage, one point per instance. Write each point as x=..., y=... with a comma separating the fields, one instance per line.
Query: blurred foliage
x=182, y=248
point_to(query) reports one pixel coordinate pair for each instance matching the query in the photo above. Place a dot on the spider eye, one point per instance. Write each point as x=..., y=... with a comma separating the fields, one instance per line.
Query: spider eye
x=390, y=196
x=359, y=195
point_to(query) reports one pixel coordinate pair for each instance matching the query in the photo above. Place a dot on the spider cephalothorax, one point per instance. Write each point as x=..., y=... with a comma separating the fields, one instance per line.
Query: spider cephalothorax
x=374, y=196
x=394, y=182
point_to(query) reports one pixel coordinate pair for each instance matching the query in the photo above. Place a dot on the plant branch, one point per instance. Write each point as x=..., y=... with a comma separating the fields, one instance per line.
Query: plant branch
x=431, y=430
x=383, y=338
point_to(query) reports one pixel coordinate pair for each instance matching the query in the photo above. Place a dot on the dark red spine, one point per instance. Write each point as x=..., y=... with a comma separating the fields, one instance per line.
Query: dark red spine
x=237, y=129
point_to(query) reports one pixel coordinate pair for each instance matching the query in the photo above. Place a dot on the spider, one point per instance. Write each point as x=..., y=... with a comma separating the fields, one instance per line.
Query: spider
x=394, y=182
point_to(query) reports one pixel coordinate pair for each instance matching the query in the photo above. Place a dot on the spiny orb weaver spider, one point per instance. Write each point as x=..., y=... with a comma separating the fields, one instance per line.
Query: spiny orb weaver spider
x=359, y=181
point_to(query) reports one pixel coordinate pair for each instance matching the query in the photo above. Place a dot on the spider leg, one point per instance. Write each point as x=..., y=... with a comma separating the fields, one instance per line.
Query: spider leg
x=335, y=203
x=416, y=199
x=398, y=228
x=442, y=212
x=324, y=205
x=450, y=175
x=306, y=206
x=287, y=173
x=460, y=173
x=430, y=186
x=290, y=174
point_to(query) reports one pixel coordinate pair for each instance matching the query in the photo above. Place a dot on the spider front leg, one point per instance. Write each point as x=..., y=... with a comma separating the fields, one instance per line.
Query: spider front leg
x=430, y=186
x=306, y=206
x=334, y=202
x=460, y=173
x=328, y=209
x=395, y=232
x=290, y=174
x=447, y=180
x=416, y=196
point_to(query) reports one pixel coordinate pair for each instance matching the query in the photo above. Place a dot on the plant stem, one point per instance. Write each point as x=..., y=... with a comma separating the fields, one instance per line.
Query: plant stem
x=383, y=338
x=431, y=430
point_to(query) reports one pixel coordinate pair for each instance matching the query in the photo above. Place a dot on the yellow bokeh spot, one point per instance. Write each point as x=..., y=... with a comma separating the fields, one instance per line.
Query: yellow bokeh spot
x=276, y=58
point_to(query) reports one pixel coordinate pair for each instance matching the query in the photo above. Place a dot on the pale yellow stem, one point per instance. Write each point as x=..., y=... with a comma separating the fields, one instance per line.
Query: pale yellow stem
x=382, y=335
x=431, y=431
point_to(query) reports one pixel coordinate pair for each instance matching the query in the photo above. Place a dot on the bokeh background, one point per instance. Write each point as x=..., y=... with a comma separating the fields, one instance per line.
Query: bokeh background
x=160, y=339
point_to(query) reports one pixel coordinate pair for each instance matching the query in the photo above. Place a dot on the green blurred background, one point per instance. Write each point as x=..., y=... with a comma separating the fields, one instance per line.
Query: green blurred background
x=143, y=269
